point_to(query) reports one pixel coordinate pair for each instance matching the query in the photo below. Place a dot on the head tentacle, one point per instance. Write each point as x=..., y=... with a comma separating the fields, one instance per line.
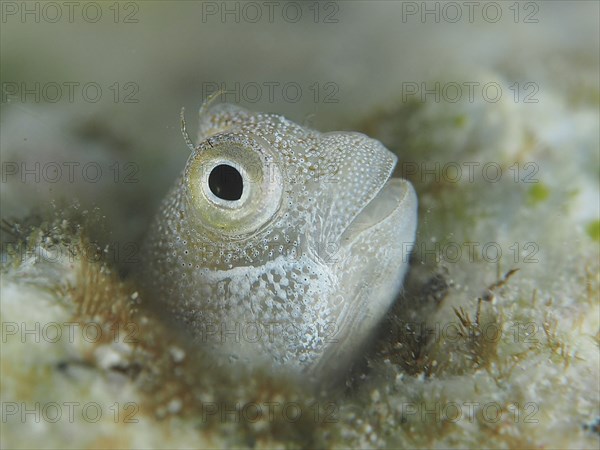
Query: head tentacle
x=186, y=136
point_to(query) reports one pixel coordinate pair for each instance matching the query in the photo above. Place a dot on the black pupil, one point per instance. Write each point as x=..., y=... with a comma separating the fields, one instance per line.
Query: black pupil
x=226, y=182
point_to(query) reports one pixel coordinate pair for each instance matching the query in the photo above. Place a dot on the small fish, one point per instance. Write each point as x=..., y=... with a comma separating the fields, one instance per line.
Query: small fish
x=280, y=246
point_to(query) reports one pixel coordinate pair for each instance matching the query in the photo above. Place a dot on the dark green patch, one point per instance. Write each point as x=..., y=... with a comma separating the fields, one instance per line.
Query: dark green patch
x=593, y=230
x=538, y=193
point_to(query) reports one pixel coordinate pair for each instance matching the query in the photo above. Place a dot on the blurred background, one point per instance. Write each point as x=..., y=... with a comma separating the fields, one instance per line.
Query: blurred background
x=92, y=90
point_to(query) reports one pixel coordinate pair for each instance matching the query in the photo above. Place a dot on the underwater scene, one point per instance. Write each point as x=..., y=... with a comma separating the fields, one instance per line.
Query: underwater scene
x=300, y=224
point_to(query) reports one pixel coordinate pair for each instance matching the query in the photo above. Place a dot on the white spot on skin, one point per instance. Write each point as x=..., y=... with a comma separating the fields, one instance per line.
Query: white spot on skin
x=177, y=354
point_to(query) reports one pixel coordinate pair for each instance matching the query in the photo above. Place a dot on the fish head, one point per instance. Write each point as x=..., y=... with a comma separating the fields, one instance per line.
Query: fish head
x=261, y=179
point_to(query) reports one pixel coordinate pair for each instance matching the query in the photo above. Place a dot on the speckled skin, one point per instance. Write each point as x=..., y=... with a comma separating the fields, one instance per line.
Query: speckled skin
x=285, y=276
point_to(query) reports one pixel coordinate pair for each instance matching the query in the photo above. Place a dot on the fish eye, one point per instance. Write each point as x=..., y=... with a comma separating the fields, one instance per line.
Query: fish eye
x=235, y=185
x=226, y=182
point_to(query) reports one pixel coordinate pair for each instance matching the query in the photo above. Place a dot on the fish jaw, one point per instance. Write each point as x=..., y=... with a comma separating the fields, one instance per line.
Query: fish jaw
x=371, y=264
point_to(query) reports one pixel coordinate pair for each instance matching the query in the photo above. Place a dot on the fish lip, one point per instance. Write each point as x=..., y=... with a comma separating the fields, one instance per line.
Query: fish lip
x=395, y=194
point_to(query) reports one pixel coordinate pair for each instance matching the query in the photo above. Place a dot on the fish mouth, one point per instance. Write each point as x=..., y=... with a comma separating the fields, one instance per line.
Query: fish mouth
x=396, y=194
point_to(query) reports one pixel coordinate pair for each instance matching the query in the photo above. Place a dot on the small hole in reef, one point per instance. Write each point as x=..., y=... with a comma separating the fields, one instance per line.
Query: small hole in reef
x=226, y=182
